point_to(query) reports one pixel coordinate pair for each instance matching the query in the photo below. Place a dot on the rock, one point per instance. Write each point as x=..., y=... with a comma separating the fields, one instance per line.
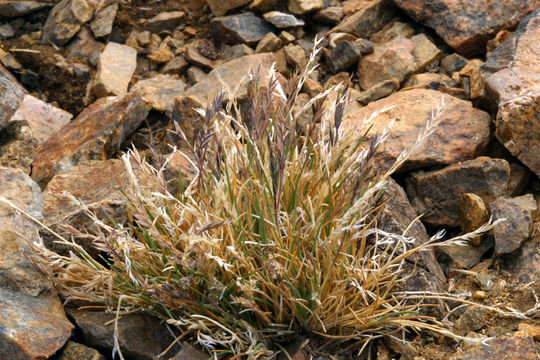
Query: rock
x=336, y=38
x=437, y=193
x=471, y=320
x=368, y=20
x=262, y=6
x=85, y=46
x=468, y=255
x=189, y=352
x=6, y=31
x=300, y=7
x=239, y=29
x=461, y=134
x=179, y=168
x=303, y=119
x=269, y=43
x=30, y=79
x=66, y=19
x=236, y=51
x=364, y=45
x=331, y=15
x=378, y=91
x=95, y=134
x=12, y=96
x=474, y=84
x=9, y=61
x=164, y=21
x=392, y=30
x=110, y=184
x=194, y=57
x=207, y=89
x=220, y=7
x=453, y=63
x=161, y=56
x=116, y=66
x=501, y=348
x=76, y=351
x=16, y=8
x=472, y=214
x=296, y=57
x=195, y=75
x=520, y=177
x=176, y=66
x=394, y=59
x=33, y=324
x=140, y=336
x=160, y=91
x=432, y=80
x=524, y=263
x=530, y=330
x=282, y=20
x=511, y=76
x=425, y=53
x=102, y=23
x=467, y=26
x=344, y=56
x=312, y=87
x=519, y=213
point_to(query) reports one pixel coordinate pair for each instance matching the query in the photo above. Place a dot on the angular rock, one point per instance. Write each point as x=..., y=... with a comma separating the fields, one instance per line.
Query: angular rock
x=262, y=6
x=207, y=89
x=102, y=23
x=461, y=134
x=12, y=96
x=221, y=7
x=160, y=91
x=179, y=168
x=189, y=352
x=76, y=351
x=33, y=324
x=432, y=80
x=296, y=56
x=9, y=61
x=519, y=213
x=239, y=29
x=425, y=53
x=392, y=30
x=194, y=57
x=394, y=59
x=501, y=348
x=467, y=26
x=331, y=15
x=164, y=21
x=176, y=66
x=116, y=66
x=300, y=7
x=472, y=79
x=468, y=255
x=16, y=8
x=378, y=91
x=368, y=20
x=437, y=193
x=140, y=336
x=512, y=74
x=269, y=43
x=524, y=264
x=473, y=214
x=236, y=51
x=95, y=134
x=66, y=19
x=161, y=56
x=195, y=75
x=344, y=56
x=282, y=20
x=520, y=177
x=453, y=63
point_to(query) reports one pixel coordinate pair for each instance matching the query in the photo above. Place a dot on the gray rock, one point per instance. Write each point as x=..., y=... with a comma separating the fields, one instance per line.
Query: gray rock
x=66, y=19
x=344, y=56
x=12, y=96
x=16, y=8
x=437, y=193
x=244, y=28
x=331, y=15
x=102, y=23
x=519, y=213
x=236, y=51
x=221, y=7
x=282, y=20
x=164, y=21
x=524, y=264
x=6, y=31
x=378, y=91
x=368, y=20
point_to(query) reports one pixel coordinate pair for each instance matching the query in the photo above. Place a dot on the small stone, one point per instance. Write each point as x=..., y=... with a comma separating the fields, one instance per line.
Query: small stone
x=244, y=28
x=221, y=7
x=269, y=43
x=286, y=37
x=530, y=330
x=335, y=38
x=176, y=66
x=518, y=212
x=9, y=61
x=368, y=20
x=473, y=214
x=303, y=119
x=236, y=51
x=6, y=31
x=394, y=59
x=501, y=348
x=15, y=8
x=300, y=7
x=178, y=168
x=66, y=19
x=160, y=91
x=479, y=295
x=453, y=63
x=195, y=75
x=392, y=30
x=378, y=91
x=282, y=20
x=161, y=56
x=468, y=255
x=30, y=79
x=520, y=177
x=144, y=38
x=194, y=57
x=296, y=57
x=429, y=81
x=262, y=6
x=425, y=52
x=189, y=352
x=473, y=72
x=116, y=65
x=332, y=15
x=344, y=56
x=164, y=21
x=312, y=87
x=76, y=351
x=437, y=193
x=102, y=23
x=12, y=96
x=364, y=45
x=471, y=320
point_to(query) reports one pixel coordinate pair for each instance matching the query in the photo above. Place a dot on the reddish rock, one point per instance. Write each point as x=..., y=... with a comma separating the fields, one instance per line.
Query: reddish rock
x=76, y=351
x=437, y=193
x=425, y=52
x=512, y=74
x=473, y=214
x=467, y=25
x=461, y=134
x=369, y=19
x=117, y=64
x=95, y=134
x=393, y=60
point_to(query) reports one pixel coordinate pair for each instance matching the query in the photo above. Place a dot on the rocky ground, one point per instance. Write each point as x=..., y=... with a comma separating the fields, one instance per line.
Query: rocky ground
x=82, y=80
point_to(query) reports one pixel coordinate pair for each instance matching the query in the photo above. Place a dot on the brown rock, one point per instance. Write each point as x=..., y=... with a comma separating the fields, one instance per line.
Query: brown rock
x=16, y=8
x=76, y=351
x=176, y=66
x=296, y=57
x=9, y=61
x=189, y=352
x=468, y=255
x=453, y=63
x=467, y=26
x=12, y=96
x=513, y=85
x=394, y=59
x=164, y=21
x=530, y=330
x=462, y=131
x=471, y=320
x=262, y=6
x=236, y=51
x=473, y=214
x=368, y=20
x=95, y=134
x=194, y=57
x=520, y=177
x=239, y=29
x=475, y=83
x=344, y=55
x=220, y=7
x=161, y=56
x=331, y=15
x=524, y=263
x=195, y=75
x=437, y=193
x=519, y=213
x=392, y=30
x=269, y=43
x=160, y=91
x=102, y=23
x=116, y=65
x=66, y=19
x=425, y=52
x=429, y=81
x=300, y=7
x=378, y=91
x=502, y=348
x=140, y=336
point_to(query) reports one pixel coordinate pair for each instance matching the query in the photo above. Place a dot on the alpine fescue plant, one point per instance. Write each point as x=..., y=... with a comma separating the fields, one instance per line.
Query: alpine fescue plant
x=274, y=235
